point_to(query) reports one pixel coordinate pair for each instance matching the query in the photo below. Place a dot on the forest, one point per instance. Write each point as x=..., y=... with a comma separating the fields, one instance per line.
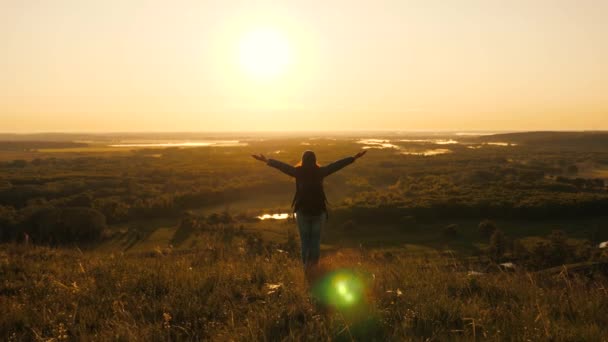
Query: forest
x=490, y=182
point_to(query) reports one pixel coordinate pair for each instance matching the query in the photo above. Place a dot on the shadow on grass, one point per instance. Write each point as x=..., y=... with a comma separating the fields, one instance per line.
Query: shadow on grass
x=181, y=234
x=140, y=231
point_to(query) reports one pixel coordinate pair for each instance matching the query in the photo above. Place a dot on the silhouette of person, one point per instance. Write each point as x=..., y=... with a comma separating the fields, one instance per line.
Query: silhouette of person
x=309, y=201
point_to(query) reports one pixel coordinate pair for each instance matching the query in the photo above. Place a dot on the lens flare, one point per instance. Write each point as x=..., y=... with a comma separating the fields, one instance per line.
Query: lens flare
x=340, y=289
x=348, y=292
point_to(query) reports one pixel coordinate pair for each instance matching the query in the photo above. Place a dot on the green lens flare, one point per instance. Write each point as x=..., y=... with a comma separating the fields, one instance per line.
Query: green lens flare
x=341, y=289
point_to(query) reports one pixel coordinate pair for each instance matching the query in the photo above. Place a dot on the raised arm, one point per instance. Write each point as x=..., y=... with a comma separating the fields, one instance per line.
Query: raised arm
x=339, y=164
x=283, y=167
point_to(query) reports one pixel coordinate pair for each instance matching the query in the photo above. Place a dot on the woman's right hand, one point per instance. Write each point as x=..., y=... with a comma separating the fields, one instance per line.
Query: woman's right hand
x=360, y=154
x=260, y=157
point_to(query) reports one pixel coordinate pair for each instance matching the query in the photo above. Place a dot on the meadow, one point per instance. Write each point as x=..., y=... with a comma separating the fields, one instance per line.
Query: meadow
x=430, y=237
x=230, y=286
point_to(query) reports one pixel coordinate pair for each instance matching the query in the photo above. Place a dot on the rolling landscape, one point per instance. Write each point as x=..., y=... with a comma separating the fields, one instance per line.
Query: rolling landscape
x=450, y=236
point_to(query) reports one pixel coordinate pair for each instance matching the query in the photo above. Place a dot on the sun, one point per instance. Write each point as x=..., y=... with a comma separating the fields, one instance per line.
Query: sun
x=265, y=53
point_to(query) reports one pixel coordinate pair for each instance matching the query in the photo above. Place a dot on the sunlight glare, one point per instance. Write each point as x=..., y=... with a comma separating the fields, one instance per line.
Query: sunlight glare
x=265, y=53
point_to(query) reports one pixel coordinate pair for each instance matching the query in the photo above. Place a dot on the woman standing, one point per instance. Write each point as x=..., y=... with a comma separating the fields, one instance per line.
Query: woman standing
x=309, y=202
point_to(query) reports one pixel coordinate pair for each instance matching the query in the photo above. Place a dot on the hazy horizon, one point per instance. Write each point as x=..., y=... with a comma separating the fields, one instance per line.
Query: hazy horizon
x=279, y=131
x=295, y=132
x=304, y=131
x=114, y=66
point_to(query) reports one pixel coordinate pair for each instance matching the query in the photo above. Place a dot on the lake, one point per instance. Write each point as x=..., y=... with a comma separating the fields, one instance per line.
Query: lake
x=216, y=143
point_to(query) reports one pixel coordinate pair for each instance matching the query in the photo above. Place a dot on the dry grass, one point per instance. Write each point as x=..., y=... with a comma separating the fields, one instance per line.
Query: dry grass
x=220, y=290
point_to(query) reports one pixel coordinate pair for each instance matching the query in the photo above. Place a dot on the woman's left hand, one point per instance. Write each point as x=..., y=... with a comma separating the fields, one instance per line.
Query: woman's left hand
x=260, y=157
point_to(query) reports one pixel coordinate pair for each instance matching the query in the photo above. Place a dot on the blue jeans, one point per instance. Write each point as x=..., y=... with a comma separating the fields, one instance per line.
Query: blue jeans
x=310, y=236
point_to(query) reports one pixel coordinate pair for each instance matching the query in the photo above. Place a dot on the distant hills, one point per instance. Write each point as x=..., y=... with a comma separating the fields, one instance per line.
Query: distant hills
x=581, y=139
x=26, y=145
x=585, y=139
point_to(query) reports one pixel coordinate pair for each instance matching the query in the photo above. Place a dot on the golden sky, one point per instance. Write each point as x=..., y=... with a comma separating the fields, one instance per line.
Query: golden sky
x=126, y=65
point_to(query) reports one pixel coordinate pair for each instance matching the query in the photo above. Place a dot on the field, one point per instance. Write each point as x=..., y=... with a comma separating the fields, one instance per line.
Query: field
x=235, y=289
x=430, y=237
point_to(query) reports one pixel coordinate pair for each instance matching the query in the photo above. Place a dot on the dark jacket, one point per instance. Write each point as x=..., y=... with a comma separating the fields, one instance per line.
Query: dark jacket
x=310, y=196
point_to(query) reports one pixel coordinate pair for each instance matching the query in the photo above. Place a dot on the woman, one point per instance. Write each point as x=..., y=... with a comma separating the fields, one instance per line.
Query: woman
x=309, y=202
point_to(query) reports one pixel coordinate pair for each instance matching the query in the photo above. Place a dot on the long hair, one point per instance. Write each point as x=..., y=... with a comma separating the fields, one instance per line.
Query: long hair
x=309, y=160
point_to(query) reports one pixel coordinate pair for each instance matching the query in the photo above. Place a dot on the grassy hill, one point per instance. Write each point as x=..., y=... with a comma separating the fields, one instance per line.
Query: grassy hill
x=232, y=285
